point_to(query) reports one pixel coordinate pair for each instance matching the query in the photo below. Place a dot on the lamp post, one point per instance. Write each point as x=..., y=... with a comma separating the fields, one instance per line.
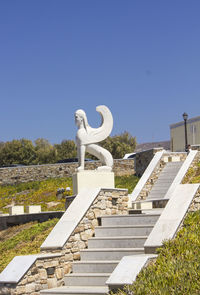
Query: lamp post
x=185, y=117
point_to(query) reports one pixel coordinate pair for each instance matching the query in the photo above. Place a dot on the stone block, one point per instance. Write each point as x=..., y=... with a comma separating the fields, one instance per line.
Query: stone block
x=76, y=256
x=92, y=179
x=30, y=288
x=59, y=273
x=16, y=210
x=33, y=209
x=52, y=283
x=20, y=290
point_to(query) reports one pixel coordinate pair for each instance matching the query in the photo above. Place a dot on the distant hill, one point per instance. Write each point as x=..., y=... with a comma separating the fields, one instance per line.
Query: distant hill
x=149, y=145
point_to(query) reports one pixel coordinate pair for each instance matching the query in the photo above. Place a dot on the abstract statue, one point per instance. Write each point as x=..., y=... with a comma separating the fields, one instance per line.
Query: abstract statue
x=87, y=137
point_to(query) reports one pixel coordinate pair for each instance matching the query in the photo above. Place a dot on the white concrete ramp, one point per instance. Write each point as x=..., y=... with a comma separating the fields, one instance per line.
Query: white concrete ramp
x=172, y=216
x=147, y=173
x=70, y=219
x=127, y=270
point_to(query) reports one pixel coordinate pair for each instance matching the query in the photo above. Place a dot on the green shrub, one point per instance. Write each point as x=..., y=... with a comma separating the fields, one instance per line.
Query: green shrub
x=44, y=192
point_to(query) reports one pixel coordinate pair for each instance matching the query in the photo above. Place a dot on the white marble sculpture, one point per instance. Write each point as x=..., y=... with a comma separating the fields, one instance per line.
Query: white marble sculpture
x=87, y=137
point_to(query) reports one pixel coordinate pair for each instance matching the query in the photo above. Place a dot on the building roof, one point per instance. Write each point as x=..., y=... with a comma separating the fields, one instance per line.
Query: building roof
x=189, y=121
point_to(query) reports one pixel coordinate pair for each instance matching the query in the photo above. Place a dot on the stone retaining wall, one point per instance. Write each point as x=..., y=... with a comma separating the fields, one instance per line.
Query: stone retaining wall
x=20, y=174
x=195, y=205
x=48, y=273
x=143, y=159
x=11, y=220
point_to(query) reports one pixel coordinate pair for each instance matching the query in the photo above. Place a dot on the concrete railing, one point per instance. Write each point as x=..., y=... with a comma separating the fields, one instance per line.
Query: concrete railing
x=182, y=172
x=146, y=175
x=172, y=216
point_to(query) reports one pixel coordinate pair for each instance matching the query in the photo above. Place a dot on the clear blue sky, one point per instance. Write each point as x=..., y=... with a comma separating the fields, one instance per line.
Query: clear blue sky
x=141, y=58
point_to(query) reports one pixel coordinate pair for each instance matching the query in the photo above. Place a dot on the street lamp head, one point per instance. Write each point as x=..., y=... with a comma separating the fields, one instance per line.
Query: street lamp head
x=185, y=116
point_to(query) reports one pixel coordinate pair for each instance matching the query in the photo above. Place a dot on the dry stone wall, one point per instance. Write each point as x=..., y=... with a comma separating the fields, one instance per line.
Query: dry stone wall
x=195, y=205
x=49, y=273
x=20, y=174
x=143, y=159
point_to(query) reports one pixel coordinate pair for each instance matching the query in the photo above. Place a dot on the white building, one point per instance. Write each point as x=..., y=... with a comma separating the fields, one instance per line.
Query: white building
x=177, y=132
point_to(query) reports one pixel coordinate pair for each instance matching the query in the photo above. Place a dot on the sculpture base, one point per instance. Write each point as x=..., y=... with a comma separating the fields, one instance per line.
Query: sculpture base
x=92, y=179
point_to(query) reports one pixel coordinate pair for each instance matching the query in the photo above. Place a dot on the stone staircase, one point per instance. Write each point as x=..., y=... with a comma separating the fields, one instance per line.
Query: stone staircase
x=155, y=198
x=164, y=180
x=118, y=236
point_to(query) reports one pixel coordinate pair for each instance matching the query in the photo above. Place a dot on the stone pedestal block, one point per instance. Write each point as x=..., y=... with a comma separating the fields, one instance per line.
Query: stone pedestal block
x=92, y=179
x=33, y=209
x=16, y=210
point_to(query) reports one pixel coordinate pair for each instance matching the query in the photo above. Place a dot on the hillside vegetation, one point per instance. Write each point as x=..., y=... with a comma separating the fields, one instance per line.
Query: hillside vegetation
x=35, y=193
x=193, y=175
x=44, y=192
x=23, y=240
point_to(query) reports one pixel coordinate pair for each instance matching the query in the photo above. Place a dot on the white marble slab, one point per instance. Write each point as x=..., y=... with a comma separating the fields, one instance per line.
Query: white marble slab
x=183, y=170
x=172, y=216
x=128, y=268
x=70, y=219
x=92, y=179
x=16, y=210
x=147, y=173
x=33, y=209
x=17, y=268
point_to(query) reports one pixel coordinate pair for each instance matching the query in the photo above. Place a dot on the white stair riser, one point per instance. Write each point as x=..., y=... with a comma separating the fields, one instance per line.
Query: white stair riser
x=116, y=243
x=85, y=281
x=130, y=220
x=88, y=267
x=107, y=255
x=67, y=293
x=124, y=231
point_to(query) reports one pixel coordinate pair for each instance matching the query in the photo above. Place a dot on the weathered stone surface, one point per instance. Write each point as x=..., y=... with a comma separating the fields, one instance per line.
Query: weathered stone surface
x=21, y=290
x=51, y=264
x=43, y=274
x=51, y=283
x=59, y=273
x=15, y=175
x=30, y=288
x=69, y=257
x=76, y=256
x=67, y=268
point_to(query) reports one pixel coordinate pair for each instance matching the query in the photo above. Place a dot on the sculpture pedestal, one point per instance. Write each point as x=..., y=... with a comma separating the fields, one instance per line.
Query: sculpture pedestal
x=92, y=179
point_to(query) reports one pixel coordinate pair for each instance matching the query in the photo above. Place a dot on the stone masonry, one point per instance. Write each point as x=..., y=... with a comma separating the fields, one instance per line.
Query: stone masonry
x=14, y=175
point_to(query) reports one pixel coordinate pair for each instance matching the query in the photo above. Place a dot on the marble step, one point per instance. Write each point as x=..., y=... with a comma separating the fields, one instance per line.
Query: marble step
x=131, y=219
x=117, y=242
x=94, y=266
x=109, y=254
x=123, y=230
x=86, y=279
x=77, y=290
